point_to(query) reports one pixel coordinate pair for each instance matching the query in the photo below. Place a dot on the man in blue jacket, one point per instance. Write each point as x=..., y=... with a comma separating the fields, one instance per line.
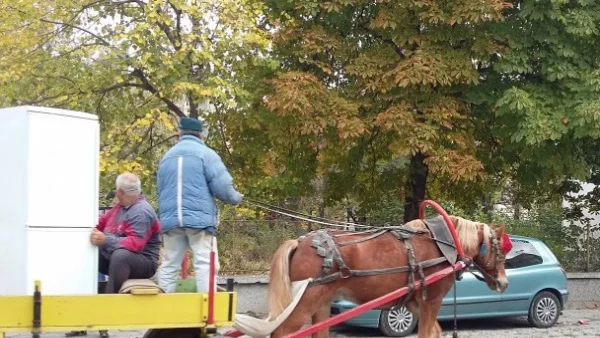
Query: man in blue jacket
x=190, y=176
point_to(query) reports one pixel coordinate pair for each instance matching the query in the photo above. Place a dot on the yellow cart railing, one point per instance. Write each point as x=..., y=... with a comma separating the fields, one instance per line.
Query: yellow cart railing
x=39, y=313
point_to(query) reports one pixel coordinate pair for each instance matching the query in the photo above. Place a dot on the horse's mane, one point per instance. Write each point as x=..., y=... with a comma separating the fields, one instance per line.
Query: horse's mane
x=467, y=232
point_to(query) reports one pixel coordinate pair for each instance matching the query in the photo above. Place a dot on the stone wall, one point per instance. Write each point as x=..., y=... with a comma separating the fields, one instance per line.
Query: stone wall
x=584, y=292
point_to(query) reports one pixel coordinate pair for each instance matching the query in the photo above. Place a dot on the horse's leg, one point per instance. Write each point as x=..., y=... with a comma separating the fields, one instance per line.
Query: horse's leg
x=413, y=307
x=321, y=315
x=438, y=329
x=428, y=324
x=313, y=300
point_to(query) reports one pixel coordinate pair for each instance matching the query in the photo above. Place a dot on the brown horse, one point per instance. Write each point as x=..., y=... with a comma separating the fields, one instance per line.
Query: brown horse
x=322, y=253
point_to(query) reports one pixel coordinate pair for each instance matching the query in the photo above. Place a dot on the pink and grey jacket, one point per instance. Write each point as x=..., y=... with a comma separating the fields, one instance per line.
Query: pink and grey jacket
x=134, y=228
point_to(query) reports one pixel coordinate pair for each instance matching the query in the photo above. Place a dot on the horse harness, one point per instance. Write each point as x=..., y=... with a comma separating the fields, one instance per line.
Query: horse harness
x=327, y=246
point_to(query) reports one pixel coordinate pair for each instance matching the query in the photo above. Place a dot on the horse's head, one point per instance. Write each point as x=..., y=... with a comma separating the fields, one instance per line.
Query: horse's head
x=490, y=258
x=488, y=248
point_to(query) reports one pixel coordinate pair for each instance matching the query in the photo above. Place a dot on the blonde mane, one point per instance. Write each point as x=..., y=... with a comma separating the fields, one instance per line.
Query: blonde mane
x=468, y=235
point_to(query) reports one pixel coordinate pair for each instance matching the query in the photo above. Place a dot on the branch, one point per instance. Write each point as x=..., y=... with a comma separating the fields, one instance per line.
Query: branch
x=137, y=146
x=167, y=30
x=99, y=104
x=119, y=86
x=222, y=132
x=155, y=145
x=390, y=42
x=178, y=12
x=50, y=98
x=193, y=107
x=148, y=86
x=104, y=42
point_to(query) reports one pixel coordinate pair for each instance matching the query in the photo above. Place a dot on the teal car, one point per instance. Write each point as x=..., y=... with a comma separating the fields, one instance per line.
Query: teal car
x=538, y=290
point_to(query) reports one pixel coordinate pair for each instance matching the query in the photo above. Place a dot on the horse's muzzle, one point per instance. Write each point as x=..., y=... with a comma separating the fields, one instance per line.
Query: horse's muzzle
x=501, y=285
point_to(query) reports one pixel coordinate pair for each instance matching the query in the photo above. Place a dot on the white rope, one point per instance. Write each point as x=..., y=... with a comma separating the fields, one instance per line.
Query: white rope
x=310, y=220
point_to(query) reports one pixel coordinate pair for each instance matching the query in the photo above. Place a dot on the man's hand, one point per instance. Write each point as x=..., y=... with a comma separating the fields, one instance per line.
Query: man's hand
x=97, y=237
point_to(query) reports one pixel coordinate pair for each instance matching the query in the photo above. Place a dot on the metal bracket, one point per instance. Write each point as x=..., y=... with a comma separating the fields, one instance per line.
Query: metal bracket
x=37, y=310
x=208, y=331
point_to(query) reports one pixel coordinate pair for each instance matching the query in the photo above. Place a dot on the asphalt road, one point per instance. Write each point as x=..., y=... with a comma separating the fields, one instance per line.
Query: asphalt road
x=568, y=325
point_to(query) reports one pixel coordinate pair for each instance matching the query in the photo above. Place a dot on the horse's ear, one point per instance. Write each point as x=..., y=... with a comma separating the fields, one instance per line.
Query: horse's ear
x=506, y=243
x=454, y=220
x=499, y=230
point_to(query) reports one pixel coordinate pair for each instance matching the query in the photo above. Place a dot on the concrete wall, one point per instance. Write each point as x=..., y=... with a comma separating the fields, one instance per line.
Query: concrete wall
x=584, y=292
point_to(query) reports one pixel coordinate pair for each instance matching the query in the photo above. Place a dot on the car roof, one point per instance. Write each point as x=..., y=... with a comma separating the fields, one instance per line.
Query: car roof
x=526, y=238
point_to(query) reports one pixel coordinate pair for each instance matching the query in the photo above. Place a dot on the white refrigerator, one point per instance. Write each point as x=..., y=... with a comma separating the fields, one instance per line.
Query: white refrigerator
x=49, y=177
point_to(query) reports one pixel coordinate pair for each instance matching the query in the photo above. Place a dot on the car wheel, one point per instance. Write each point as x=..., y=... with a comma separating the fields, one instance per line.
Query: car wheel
x=397, y=322
x=544, y=310
x=173, y=333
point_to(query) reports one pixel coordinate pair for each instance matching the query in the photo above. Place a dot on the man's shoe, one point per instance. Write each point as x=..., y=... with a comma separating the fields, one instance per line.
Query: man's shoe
x=76, y=334
x=103, y=334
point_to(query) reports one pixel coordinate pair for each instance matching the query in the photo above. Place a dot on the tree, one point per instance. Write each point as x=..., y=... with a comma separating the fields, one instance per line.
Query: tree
x=377, y=88
x=538, y=100
x=131, y=62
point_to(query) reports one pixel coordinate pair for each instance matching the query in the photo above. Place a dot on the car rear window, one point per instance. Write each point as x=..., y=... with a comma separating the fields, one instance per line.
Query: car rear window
x=522, y=254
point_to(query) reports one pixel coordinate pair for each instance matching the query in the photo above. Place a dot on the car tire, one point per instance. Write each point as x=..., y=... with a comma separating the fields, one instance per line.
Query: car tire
x=544, y=310
x=173, y=333
x=397, y=322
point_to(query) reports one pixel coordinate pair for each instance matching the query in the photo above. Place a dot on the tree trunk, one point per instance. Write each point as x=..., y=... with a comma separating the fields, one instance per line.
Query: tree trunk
x=486, y=200
x=415, y=187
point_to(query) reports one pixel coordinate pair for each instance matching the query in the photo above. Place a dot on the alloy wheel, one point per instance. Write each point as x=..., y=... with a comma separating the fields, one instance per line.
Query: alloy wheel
x=546, y=310
x=400, y=319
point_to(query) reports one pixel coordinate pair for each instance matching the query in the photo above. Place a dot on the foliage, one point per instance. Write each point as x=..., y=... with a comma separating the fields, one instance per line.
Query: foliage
x=536, y=104
x=363, y=87
x=131, y=63
x=135, y=147
x=341, y=107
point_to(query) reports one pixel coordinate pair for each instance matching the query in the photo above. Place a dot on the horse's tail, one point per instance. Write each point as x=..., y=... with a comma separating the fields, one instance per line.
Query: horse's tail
x=280, y=293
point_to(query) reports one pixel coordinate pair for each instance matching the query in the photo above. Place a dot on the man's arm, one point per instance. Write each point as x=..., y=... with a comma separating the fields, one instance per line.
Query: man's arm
x=139, y=226
x=219, y=180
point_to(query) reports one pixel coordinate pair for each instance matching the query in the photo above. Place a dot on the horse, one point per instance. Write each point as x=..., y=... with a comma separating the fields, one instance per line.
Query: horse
x=389, y=258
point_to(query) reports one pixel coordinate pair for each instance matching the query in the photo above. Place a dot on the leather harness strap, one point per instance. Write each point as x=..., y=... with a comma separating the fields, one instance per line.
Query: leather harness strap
x=327, y=248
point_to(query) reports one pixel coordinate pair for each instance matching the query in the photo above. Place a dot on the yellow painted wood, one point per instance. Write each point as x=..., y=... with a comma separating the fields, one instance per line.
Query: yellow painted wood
x=110, y=312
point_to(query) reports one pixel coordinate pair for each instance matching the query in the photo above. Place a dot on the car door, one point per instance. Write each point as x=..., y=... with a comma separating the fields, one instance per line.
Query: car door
x=473, y=298
x=524, y=270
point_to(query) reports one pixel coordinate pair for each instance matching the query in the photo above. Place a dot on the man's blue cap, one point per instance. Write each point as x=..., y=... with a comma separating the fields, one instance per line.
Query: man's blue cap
x=189, y=123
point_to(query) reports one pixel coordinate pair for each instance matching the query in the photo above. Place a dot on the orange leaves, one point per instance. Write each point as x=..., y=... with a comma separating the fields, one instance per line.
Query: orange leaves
x=412, y=132
x=474, y=12
x=456, y=165
x=437, y=128
x=309, y=44
x=396, y=117
x=312, y=108
x=370, y=67
x=269, y=164
x=385, y=20
x=429, y=68
x=350, y=127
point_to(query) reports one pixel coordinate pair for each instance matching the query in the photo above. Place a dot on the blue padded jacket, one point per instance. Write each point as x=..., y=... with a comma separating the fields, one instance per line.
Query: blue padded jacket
x=189, y=176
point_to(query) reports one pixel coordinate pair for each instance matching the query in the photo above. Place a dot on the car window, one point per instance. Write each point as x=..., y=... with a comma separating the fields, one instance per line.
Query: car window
x=522, y=254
